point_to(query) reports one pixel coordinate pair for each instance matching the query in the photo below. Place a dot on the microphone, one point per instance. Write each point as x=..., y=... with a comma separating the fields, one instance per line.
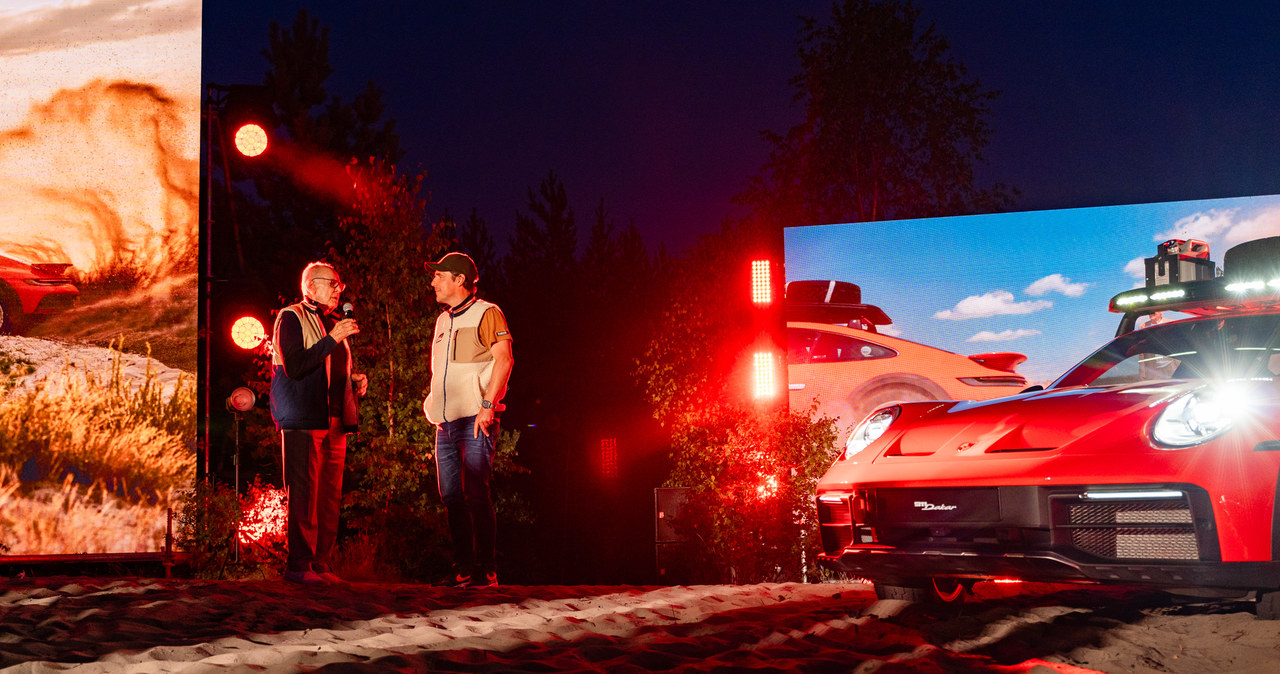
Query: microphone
x=348, y=311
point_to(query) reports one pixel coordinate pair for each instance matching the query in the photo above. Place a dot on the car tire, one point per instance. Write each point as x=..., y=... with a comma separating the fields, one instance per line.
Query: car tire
x=1268, y=607
x=927, y=591
x=879, y=397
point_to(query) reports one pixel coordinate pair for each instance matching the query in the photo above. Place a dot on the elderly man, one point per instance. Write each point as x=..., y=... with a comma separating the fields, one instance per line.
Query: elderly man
x=313, y=402
x=471, y=362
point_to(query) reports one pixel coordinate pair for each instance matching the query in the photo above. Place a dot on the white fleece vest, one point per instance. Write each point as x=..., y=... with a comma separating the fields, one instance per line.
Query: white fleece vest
x=460, y=365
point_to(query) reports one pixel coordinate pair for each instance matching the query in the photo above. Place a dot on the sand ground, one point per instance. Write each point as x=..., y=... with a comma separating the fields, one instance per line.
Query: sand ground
x=150, y=625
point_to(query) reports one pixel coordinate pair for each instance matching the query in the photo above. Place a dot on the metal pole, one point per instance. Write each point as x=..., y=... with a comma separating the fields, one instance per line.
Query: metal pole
x=206, y=282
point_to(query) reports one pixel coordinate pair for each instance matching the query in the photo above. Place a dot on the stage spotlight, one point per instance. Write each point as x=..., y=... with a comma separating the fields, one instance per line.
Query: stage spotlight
x=251, y=140
x=247, y=332
x=241, y=400
x=247, y=117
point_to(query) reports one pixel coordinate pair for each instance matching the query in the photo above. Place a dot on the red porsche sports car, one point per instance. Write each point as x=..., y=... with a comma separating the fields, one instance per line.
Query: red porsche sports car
x=1155, y=461
x=30, y=290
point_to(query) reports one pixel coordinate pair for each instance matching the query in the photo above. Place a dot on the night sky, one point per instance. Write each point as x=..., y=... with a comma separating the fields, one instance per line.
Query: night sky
x=657, y=107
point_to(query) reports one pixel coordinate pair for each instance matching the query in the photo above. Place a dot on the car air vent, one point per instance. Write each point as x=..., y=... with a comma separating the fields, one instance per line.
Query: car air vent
x=1163, y=530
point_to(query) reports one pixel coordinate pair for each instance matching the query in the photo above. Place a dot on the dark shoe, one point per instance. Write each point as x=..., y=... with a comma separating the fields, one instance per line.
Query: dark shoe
x=307, y=577
x=456, y=578
x=488, y=579
x=326, y=574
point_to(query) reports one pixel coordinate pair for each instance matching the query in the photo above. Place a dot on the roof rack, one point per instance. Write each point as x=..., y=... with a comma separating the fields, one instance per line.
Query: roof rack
x=1250, y=282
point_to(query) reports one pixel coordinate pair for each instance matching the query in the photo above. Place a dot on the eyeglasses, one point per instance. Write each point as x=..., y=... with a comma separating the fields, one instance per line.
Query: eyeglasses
x=333, y=283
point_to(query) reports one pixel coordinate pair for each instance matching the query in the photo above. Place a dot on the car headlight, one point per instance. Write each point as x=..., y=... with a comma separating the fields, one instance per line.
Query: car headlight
x=868, y=431
x=1194, y=418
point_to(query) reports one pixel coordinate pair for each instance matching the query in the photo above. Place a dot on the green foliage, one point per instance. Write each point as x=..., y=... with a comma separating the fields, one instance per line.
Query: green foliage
x=264, y=526
x=383, y=265
x=894, y=126
x=751, y=475
x=208, y=518
x=750, y=470
x=693, y=357
x=395, y=514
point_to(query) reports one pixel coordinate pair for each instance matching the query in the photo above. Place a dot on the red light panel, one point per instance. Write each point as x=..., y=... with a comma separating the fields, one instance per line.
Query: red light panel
x=766, y=385
x=609, y=457
x=761, y=285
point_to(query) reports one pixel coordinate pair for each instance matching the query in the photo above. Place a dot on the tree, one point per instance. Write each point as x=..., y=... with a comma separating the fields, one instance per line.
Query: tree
x=893, y=126
x=298, y=194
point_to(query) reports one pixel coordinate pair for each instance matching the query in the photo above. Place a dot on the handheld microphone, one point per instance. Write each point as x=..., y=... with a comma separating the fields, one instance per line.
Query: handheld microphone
x=348, y=312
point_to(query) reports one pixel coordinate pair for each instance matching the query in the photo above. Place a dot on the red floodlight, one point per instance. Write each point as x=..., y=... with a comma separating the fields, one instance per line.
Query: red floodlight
x=241, y=400
x=247, y=332
x=761, y=283
x=765, y=375
x=609, y=457
x=247, y=116
x=251, y=140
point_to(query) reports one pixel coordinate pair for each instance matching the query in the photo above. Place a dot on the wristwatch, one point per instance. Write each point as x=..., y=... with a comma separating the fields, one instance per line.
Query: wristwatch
x=487, y=405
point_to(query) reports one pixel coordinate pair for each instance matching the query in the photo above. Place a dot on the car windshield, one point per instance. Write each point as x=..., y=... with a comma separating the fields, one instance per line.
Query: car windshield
x=1237, y=347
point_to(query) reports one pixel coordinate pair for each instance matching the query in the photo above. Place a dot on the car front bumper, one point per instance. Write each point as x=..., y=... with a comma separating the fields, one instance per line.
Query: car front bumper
x=1150, y=534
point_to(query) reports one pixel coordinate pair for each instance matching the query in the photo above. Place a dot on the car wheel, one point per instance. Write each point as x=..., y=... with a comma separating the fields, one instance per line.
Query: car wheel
x=929, y=591
x=1268, y=607
x=886, y=394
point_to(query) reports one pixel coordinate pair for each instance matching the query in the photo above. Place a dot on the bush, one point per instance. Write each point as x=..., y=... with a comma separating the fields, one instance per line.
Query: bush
x=751, y=476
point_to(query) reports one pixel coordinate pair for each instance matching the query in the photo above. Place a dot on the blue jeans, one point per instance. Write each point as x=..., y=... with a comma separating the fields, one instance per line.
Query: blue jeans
x=464, y=465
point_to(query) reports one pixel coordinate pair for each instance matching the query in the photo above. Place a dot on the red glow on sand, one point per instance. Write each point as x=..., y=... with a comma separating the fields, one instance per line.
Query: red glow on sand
x=251, y=140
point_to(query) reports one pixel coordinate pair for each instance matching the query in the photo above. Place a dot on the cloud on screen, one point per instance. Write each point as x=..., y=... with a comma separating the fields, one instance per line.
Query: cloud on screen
x=1002, y=336
x=1056, y=283
x=994, y=303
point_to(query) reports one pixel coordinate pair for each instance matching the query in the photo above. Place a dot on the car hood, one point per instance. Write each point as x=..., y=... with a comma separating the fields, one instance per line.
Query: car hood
x=1029, y=422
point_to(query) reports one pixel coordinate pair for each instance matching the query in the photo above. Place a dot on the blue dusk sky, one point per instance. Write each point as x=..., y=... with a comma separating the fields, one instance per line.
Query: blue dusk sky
x=1036, y=283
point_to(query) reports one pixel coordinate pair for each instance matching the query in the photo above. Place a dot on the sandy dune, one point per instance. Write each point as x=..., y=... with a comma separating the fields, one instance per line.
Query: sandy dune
x=90, y=625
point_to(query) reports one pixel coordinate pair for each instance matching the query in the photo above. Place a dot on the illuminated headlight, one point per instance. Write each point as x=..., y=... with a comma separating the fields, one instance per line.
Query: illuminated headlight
x=1195, y=418
x=868, y=431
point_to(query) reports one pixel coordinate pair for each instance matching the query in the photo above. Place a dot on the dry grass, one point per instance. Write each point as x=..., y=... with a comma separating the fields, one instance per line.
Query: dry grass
x=74, y=519
x=100, y=459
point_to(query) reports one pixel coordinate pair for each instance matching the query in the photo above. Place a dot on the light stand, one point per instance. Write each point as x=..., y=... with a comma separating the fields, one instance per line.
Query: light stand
x=240, y=401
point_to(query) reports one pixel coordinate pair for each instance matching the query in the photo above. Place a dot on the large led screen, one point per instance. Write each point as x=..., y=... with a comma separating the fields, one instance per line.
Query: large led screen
x=99, y=215
x=998, y=287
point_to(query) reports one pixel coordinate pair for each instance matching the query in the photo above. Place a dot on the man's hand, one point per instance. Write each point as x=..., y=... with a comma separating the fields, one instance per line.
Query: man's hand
x=344, y=329
x=483, y=420
x=360, y=383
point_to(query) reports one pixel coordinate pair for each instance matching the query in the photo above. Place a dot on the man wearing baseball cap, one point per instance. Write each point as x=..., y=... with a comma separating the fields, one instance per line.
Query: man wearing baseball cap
x=471, y=361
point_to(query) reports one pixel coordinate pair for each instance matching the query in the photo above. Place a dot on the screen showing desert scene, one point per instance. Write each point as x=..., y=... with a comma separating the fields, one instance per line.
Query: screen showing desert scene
x=99, y=262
